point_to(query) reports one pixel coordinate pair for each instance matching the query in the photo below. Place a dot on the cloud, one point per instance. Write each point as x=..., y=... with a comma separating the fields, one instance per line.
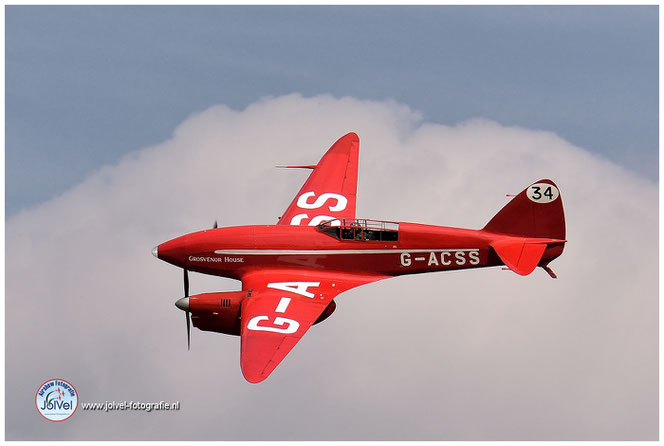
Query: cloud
x=472, y=355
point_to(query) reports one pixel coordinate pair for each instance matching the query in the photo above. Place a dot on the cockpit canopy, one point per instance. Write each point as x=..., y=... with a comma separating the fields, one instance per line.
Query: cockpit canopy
x=361, y=229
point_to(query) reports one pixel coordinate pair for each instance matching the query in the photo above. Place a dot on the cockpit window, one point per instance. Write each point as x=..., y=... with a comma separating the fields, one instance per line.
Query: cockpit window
x=361, y=230
x=331, y=230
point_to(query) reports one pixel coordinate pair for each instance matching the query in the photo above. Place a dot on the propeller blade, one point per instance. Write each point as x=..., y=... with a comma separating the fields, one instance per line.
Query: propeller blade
x=186, y=282
x=188, y=331
x=183, y=304
x=215, y=226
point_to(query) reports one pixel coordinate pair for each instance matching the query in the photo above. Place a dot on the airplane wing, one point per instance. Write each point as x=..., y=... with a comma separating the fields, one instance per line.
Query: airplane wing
x=330, y=190
x=281, y=307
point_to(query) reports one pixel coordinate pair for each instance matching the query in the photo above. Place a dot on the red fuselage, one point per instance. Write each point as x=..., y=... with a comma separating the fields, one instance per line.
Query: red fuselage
x=414, y=248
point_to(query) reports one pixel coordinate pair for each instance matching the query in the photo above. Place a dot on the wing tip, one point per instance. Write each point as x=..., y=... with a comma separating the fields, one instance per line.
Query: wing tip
x=351, y=139
x=254, y=379
x=252, y=375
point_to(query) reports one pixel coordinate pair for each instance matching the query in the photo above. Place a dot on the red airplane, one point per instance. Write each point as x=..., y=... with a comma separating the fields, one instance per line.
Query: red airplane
x=292, y=271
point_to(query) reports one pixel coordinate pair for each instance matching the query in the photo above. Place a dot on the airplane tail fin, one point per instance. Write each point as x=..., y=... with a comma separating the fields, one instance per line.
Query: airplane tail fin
x=530, y=229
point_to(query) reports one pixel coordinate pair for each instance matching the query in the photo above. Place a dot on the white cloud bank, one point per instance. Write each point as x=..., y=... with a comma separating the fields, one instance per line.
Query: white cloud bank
x=466, y=355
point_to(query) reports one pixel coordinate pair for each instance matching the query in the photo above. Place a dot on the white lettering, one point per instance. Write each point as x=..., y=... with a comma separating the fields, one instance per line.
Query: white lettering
x=459, y=257
x=295, y=287
x=297, y=220
x=283, y=304
x=342, y=201
x=205, y=259
x=442, y=258
x=290, y=328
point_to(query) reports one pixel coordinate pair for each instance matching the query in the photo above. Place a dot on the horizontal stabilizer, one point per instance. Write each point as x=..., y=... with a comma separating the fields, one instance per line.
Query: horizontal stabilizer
x=308, y=166
x=522, y=255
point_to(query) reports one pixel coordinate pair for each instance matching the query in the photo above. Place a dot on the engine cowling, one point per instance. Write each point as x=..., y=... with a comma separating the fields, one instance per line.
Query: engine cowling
x=219, y=312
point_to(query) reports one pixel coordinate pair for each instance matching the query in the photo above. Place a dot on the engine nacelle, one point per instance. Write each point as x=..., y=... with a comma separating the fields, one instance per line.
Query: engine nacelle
x=218, y=312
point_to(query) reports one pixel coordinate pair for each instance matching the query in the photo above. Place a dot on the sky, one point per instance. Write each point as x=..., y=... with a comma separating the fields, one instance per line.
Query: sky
x=136, y=134
x=86, y=85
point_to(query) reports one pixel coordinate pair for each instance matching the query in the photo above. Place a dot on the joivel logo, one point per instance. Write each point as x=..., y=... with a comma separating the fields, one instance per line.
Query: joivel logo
x=56, y=400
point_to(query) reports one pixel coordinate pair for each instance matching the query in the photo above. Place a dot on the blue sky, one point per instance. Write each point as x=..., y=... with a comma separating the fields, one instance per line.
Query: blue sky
x=85, y=85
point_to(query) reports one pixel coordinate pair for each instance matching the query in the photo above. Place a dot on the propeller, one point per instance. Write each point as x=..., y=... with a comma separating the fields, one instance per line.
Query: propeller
x=215, y=226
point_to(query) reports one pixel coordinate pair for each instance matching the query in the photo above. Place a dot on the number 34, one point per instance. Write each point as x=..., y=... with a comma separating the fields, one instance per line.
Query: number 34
x=542, y=193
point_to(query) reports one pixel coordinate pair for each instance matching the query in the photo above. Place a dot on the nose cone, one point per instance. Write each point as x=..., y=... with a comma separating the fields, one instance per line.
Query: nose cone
x=183, y=304
x=174, y=251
